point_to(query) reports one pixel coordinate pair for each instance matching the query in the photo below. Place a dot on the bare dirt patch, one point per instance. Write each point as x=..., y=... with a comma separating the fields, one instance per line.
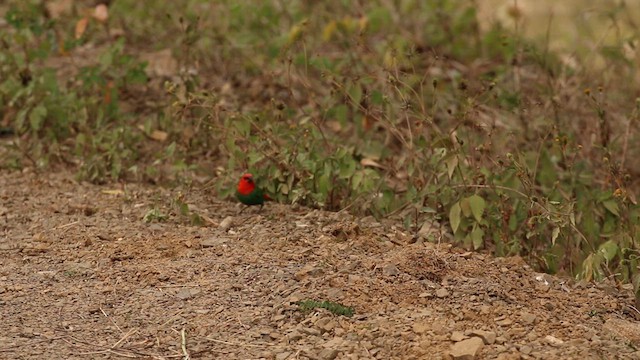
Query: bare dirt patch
x=82, y=276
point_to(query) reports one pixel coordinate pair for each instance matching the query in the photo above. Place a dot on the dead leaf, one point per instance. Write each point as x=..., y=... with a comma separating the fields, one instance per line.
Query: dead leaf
x=157, y=135
x=81, y=27
x=101, y=13
x=371, y=163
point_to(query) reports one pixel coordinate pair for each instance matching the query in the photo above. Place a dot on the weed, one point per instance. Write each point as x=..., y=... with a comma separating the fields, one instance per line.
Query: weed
x=335, y=308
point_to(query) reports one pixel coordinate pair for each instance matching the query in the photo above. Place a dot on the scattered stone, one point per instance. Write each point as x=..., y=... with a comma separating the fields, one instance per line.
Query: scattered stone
x=226, y=223
x=553, y=341
x=328, y=354
x=504, y=322
x=326, y=324
x=526, y=349
x=335, y=294
x=458, y=336
x=527, y=318
x=390, y=270
x=501, y=340
x=509, y=356
x=186, y=294
x=283, y=355
x=421, y=327
x=308, y=270
x=466, y=349
x=293, y=336
x=442, y=293
x=310, y=331
x=489, y=337
x=213, y=242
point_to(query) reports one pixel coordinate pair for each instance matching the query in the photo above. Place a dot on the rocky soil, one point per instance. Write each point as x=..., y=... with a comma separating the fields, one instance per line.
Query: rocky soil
x=83, y=276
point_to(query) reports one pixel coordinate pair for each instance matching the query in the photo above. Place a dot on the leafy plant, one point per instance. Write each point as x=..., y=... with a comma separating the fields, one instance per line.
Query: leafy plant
x=335, y=308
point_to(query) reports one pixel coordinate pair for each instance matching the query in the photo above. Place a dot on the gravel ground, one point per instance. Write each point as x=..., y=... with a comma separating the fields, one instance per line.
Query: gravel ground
x=82, y=276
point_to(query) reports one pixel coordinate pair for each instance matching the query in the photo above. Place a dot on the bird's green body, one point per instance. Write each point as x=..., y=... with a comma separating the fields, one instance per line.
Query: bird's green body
x=256, y=197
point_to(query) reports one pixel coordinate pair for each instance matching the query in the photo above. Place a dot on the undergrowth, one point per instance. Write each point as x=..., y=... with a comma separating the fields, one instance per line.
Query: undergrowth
x=391, y=109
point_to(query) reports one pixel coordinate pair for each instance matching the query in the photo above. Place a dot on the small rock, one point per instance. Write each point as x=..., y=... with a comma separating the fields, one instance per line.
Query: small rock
x=335, y=293
x=466, y=349
x=283, y=355
x=442, y=293
x=310, y=331
x=457, y=336
x=509, y=356
x=527, y=318
x=390, y=270
x=226, y=223
x=526, y=349
x=328, y=354
x=213, y=242
x=328, y=326
x=335, y=343
x=294, y=336
x=553, y=341
x=489, y=337
x=421, y=327
x=308, y=270
x=184, y=294
x=504, y=322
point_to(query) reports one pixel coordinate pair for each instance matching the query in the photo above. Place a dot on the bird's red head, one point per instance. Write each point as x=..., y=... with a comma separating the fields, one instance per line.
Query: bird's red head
x=246, y=184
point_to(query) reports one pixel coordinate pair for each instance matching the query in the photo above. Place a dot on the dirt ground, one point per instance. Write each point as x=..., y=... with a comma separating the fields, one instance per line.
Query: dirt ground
x=82, y=276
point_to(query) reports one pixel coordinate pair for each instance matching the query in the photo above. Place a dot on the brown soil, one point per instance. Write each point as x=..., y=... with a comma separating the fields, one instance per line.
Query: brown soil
x=82, y=276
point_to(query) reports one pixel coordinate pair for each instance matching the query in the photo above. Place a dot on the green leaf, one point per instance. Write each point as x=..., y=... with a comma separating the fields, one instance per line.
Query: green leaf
x=477, y=205
x=609, y=250
x=612, y=206
x=356, y=180
x=452, y=163
x=454, y=216
x=37, y=116
x=477, y=237
x=466, y=208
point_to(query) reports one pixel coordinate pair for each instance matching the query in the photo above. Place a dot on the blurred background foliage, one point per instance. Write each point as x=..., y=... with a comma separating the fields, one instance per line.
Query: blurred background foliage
x=508, y=126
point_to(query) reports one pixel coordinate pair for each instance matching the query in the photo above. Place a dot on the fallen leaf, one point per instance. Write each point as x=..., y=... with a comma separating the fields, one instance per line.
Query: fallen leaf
x=371, y=163
x=81, y=27
x=159, y=135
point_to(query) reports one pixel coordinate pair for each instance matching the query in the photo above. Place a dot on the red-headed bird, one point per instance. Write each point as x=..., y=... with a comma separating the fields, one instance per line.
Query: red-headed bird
x=249, y=194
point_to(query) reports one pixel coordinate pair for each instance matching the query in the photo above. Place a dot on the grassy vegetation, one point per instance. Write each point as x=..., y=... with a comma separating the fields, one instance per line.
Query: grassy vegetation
x=403, y=109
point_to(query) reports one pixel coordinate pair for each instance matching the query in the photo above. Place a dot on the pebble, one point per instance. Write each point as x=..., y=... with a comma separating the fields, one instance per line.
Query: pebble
x=553, y=341
x=421, y=327
x=457, y=336
x=213, y=242
x=488, y=337
x=504, y=322
x=466, y=349
x=283, y=355
x=294, y=336
x=390, y=270
x=226, y=223
x=328, y=354
x=442, y=293
x=308, y=270
x=527, y=318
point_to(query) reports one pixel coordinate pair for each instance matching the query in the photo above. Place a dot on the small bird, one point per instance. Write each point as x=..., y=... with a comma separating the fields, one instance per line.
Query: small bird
x=248, y=194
